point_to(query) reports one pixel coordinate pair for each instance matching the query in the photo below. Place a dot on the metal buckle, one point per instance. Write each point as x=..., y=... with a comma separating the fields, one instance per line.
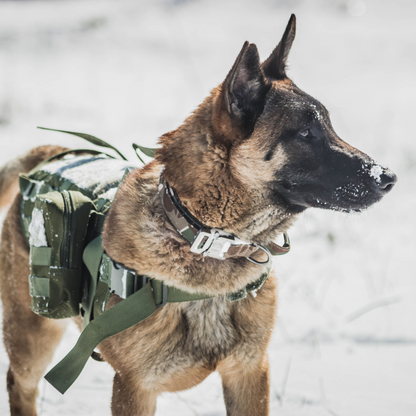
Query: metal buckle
x=139, y=282
x=202, y=242
x=286, y=241
x=219, y=246
x=211, y=244
x=259, y=262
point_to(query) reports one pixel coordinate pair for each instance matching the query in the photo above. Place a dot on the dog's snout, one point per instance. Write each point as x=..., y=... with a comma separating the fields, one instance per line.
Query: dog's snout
x=383, y=178
x=387, y=181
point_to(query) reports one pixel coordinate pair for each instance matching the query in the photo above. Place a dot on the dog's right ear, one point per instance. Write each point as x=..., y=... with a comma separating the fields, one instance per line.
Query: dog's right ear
x=275, y=65
x=245, y=87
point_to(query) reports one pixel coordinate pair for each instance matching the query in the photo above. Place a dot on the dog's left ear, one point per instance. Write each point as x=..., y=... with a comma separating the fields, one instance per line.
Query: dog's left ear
x=245, y=87
x=275, y=65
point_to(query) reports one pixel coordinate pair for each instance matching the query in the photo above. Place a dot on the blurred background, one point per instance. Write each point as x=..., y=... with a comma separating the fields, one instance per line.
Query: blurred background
x=128, y=71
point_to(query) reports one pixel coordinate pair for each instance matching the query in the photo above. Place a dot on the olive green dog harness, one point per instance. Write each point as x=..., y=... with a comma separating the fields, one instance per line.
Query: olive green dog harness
x=64, y=204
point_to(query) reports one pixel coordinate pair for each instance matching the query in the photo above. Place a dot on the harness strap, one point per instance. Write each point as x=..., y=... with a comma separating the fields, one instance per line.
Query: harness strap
x=138, y=305
x=131, y=311
x=92, y=258
x=134, y=309
x=168, y=294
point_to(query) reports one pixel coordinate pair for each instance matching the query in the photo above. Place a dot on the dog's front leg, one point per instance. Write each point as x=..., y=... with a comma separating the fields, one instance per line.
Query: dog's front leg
x=246, y=385
x=129, y=399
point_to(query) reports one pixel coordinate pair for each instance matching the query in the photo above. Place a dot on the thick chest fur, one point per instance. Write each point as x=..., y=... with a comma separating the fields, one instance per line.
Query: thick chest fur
x=193, y=338
x=211, y=331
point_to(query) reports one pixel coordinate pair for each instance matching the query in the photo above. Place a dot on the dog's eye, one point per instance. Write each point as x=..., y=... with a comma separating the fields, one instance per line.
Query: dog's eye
x=305, y=133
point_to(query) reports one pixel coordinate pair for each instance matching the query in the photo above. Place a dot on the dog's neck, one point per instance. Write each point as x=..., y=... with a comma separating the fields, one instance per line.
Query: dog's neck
x=198, y=170
x=197, y=167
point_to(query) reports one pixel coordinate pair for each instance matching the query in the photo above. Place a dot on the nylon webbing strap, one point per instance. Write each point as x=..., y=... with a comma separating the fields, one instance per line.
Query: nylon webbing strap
x=120, y=317
x=136, y=308
x=169, y=294
x=92, y=258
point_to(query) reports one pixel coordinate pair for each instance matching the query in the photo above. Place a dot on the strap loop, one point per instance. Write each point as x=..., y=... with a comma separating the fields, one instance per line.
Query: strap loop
x=261, y=263
x=277, y=250
x=160, y=292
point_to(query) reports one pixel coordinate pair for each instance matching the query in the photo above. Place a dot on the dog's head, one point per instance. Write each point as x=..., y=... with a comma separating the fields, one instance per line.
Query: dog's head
x=274, y=143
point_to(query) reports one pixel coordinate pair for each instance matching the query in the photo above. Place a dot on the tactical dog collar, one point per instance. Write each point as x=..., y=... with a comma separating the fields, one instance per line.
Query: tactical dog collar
x=212, y=242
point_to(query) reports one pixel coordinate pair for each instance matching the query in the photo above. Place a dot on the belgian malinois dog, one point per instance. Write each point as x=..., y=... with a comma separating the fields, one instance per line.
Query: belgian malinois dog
x=253, y=156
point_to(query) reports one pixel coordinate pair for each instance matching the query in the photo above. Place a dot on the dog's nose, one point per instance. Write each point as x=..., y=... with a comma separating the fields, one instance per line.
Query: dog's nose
x=387, y=181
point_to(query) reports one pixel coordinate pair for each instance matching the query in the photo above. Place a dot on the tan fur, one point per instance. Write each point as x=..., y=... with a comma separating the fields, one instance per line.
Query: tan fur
x=11, y=190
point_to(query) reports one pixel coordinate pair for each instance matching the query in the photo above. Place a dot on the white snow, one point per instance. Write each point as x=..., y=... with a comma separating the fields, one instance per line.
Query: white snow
x=110, y=194
x=376, y=172
x=94, y=175
x=128, y=71
x=36, y=229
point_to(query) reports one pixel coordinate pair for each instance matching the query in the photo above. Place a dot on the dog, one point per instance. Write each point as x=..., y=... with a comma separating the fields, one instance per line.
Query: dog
x=253, y=156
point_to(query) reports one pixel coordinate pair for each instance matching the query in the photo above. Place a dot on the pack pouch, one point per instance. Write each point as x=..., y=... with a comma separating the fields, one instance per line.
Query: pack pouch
x=57, y=239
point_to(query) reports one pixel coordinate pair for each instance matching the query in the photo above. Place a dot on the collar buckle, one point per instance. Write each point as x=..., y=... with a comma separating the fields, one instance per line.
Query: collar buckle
x=202, y=242
x=211, y=244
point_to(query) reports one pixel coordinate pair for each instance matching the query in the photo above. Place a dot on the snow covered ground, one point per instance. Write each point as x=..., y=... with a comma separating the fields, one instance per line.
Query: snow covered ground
x=345, y=342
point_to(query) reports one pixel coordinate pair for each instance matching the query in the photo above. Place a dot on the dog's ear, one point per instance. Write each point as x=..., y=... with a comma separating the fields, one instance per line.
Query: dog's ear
x=275, y=65
x=245, y=87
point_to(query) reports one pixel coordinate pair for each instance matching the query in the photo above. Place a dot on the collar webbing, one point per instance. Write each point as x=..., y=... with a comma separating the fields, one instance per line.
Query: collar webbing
x=208, y=241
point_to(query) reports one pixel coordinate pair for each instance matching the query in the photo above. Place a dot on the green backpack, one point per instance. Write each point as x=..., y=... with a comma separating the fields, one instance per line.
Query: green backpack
x=64, y=203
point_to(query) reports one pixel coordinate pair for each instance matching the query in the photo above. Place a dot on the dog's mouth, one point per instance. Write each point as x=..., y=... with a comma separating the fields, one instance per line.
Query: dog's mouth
x=370, y=184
